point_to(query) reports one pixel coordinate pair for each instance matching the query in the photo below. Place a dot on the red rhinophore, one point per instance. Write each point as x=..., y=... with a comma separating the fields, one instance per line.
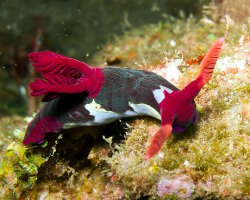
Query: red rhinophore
x=63, y=76
x=37, y=128
x=207, y=68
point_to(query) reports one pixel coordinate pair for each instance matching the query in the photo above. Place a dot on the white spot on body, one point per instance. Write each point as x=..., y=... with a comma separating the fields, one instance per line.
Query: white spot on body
x=101, y=115
x=144, y=109
x=159, y=93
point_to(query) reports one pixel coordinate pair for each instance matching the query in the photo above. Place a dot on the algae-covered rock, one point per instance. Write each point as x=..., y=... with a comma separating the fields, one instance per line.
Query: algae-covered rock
x=213, y=156
x=208, y=161
x=18, y=165
x=211, y=159
x=18, y=171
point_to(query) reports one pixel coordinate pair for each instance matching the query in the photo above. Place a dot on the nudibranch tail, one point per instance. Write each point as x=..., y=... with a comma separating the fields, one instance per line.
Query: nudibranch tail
x=63, y=75
x=207, y=68
x=159, y=138
x=39, y=126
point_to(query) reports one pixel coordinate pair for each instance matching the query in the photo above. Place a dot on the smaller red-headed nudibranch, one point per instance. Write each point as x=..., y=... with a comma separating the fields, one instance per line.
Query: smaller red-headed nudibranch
x=76, y=94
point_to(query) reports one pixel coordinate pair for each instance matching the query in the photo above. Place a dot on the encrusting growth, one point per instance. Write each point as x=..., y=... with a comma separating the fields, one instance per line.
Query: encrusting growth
x=78, y=95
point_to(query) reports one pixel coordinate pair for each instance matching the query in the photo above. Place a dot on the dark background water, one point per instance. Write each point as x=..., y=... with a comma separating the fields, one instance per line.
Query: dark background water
x=74, y=28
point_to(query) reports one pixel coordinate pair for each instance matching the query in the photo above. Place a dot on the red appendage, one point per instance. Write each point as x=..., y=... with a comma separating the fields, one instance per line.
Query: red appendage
x=168, y=114
x=36, y=130
x=159, y=138
x=63, y=76
x=207, y=68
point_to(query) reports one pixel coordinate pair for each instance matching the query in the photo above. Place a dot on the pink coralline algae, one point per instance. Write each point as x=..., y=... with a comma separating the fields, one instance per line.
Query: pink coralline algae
x=181, y=186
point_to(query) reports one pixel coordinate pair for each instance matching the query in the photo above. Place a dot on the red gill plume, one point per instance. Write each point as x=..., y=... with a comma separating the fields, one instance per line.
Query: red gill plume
x=63, y=75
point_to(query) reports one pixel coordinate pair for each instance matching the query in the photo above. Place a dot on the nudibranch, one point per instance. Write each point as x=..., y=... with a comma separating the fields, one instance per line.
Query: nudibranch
x=76, y=94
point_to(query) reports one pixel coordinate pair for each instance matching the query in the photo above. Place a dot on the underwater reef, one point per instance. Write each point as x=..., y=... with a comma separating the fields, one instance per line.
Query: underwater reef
x=208, y=161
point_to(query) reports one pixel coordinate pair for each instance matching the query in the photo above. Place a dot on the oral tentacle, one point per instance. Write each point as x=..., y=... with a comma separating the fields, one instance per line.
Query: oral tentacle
x=159, y=138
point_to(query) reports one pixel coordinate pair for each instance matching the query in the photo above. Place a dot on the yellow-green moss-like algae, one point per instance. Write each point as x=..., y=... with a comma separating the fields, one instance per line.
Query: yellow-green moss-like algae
x=18, y=171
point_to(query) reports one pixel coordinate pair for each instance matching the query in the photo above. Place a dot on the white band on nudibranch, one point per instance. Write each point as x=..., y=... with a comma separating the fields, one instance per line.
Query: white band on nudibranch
x=103, y=116
x=159, y=93
x=144, y=109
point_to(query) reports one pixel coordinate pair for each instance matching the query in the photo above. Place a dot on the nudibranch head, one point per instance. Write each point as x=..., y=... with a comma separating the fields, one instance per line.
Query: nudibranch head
x=178, y=110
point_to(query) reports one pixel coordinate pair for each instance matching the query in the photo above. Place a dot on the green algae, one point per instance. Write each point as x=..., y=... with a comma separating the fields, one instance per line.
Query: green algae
x=18, y=167
x=17, y=170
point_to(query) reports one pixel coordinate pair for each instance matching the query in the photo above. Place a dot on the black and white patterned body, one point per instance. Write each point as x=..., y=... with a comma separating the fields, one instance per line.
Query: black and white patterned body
x=124, y=93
